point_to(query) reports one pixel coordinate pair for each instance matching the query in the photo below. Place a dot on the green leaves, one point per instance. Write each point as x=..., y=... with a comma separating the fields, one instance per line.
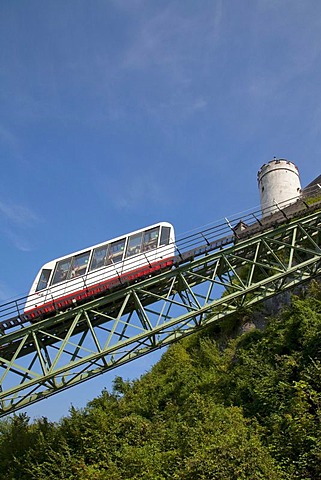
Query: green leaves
x=250, y=410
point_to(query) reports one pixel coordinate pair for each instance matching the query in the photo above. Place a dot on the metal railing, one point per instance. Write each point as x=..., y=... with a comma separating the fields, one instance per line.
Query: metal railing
x=215, y=236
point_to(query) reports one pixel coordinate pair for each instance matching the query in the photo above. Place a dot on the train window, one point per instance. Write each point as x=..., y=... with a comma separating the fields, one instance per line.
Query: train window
x=79, y=265
x=99, y=257
x=165, y=234
x=43, y=280
x=116, y=251
x=134, y=245
x=62, y=270
x=150, y=239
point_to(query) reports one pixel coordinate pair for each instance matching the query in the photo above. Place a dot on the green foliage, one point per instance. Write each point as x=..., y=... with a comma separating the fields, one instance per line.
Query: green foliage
x=250, y=410
x=312, y=200
x=276, y=379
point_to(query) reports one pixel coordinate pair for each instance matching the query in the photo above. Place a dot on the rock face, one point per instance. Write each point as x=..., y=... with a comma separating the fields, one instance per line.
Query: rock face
x=268, y=308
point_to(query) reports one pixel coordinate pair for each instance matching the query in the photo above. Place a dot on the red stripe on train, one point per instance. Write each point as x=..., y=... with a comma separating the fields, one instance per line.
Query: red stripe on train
x=62, y=303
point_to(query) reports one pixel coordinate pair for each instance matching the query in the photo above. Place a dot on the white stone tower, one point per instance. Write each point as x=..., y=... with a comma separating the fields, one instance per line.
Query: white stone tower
x=279, y=185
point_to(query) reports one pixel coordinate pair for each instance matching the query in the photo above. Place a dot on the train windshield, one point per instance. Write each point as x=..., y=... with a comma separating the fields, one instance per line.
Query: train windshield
x=43, y=280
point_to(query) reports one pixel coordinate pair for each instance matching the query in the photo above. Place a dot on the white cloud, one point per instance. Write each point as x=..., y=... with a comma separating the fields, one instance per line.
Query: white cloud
x=137, y=191
x=5, y=292
x=17, y=214
x=170, y=39
x=158, y=54
x=19, y=240
x=16, y=222
x=10, y=142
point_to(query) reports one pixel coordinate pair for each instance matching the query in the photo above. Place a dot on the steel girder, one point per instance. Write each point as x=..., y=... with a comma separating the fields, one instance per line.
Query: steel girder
x=54, y=354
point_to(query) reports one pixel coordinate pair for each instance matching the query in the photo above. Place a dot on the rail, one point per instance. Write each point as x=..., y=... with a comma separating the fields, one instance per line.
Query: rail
x=216, y=236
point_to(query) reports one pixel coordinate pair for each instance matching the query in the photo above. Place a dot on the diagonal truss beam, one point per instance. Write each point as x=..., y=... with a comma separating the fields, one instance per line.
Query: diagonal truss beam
x=54, y=354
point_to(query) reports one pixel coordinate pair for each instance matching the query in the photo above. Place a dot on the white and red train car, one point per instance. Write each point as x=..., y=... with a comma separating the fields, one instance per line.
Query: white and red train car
x=74, y=278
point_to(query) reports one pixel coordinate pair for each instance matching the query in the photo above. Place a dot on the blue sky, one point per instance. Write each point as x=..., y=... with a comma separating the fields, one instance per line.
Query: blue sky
x=117, y=114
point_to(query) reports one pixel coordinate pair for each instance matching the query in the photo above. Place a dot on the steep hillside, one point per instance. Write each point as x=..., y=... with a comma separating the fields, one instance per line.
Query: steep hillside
x=216, y=406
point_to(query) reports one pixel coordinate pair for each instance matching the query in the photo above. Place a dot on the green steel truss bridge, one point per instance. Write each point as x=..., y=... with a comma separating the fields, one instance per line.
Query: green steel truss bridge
x=216, y=273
